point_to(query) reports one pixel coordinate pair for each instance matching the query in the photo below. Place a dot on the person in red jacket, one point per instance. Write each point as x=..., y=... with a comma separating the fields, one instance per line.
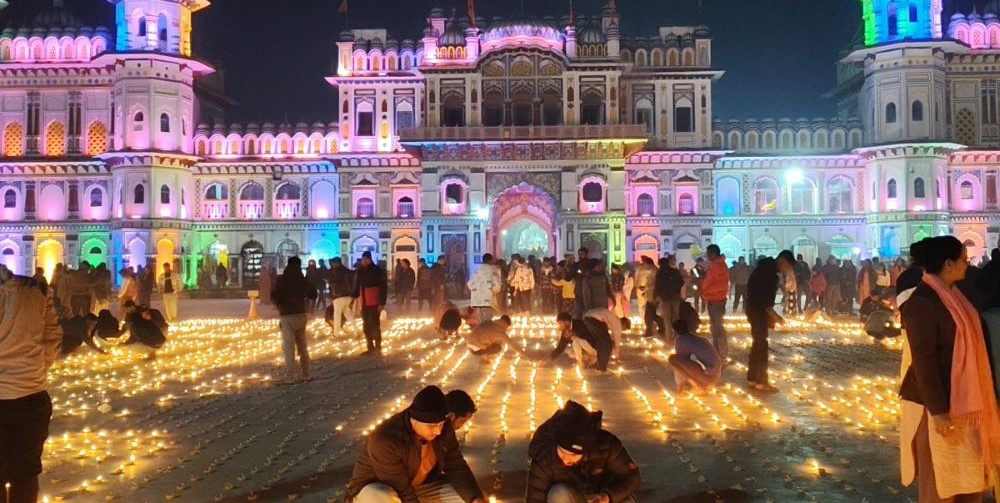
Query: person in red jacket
x=714, y=291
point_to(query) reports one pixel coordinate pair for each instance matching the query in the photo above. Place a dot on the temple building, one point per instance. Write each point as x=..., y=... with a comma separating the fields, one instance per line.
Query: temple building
x=503, y=135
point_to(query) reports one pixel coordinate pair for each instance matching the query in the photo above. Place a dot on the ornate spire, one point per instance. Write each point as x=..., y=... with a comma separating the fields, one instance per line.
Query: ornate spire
x=572, y=15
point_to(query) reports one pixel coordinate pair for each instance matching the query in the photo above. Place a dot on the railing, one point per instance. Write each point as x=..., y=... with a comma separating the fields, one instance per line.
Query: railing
x=250, y=210
x=405, y=210
x=286, y=210
x=565, y=132
x=215, y=210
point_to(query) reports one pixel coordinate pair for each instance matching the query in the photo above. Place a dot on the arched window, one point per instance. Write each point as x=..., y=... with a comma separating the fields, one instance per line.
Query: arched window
x=139, y=195
x=893, y=20
x=729, y=196
x=966, y=189
x=138, y=117
x=288, y=192
x=803, y=196
x=164, y=123
x=13, y=140
x=97, y=139
x=765, y=196
x=453, y=193
x=841, y=196
x=404, y=207
x=890, y=113
x=685, y=204
x=142, y=26
x=9, y=198
x=164, y=194
x=592, y=192
x=216, y=192
x=891, y=188
x=161, y=25
x=917, y=111
x=55, y=140
x=96, y=198
x=644, y=205
x=366, y=207
x=919, y=190
x=252, y=192
x=914, y=17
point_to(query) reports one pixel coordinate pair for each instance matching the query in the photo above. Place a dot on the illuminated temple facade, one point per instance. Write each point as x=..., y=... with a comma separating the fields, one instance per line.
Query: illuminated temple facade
x=535, y=136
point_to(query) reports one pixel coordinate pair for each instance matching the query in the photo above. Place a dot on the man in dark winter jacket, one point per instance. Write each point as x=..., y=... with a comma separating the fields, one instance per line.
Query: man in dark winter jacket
x=592, y=342
x=370, y=289
x=574, y=460
x=667, y=288
x=414, y=457
x=290, y=294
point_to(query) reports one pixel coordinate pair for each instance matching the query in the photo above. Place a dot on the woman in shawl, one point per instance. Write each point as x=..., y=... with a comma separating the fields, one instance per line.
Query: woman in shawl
x=950, y=429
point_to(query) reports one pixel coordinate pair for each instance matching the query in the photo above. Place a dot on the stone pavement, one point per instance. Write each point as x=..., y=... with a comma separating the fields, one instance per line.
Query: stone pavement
x=203, y=422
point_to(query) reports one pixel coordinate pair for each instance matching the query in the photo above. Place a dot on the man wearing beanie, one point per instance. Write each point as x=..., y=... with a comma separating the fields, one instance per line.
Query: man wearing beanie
x=573, y=460
x=414, y=457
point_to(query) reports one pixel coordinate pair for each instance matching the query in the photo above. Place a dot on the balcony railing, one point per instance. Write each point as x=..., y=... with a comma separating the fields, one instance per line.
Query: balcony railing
x=565, y=132
x=215, y=210
x=250, y=210
x=287, y=209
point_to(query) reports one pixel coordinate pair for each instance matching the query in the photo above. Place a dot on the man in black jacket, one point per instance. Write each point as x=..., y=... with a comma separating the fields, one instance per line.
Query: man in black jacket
x=341, y=294
x=290, y=294
x=762, y=289
x=371, y=291
x=667, y=288
x=574, y=460
x=592, y=342
x=414, y=457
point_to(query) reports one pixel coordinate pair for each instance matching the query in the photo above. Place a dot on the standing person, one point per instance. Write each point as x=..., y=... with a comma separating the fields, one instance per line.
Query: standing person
x=896, y=270
x=547, y=289
x=129, y=291
x=950, y=430
x=169, y=285
x=293, y=294
x=316, y=278
x=762, y=289
x=714, y=290
x=817, y=286
x=848, y=286
x=645, y=273
x=266, y=283
x=29, y=342
x=439, y=280
x=147, y=280
x=221, y=276
x=370, y=291
x=802, y=276
x=883, y=281
x=522, y=282
x=832, y=272
x=667, y=290
x=423, y=285
x=740, y=275
x=342, y=292
x=627, y=289
x=484, y=287
x=101, y=282
x=617, y=283
x=564, y=280
x=403, y=283
x=82, y=290
x=414, y=456
x=696, y=279
x=596, y=287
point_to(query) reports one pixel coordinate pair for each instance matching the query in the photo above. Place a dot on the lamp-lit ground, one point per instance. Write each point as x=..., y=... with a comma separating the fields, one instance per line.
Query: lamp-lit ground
x=203, y=422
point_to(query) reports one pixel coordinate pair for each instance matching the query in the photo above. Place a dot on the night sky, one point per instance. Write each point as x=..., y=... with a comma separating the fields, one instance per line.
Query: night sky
x=778, y=54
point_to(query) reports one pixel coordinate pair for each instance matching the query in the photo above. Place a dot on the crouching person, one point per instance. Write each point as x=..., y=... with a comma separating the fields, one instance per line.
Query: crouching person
x=574, y=460
x=695, y=361
x=414, y=457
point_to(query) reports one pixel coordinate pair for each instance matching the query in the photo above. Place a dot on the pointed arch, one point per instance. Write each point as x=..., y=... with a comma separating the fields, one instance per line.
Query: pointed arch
x=55, y=139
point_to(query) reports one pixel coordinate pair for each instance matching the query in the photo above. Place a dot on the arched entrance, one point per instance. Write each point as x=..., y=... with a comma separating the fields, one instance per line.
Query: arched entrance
x=524, y=221
x=164, y=254
x=805, y=246
x=252, y=254
x=405, y=248
x=360, y=246
x=50, y=253
x=136, y=254
x=646, y=246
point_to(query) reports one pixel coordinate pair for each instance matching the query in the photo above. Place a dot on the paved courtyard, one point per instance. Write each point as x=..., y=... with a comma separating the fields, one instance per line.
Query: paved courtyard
x=203, y=422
